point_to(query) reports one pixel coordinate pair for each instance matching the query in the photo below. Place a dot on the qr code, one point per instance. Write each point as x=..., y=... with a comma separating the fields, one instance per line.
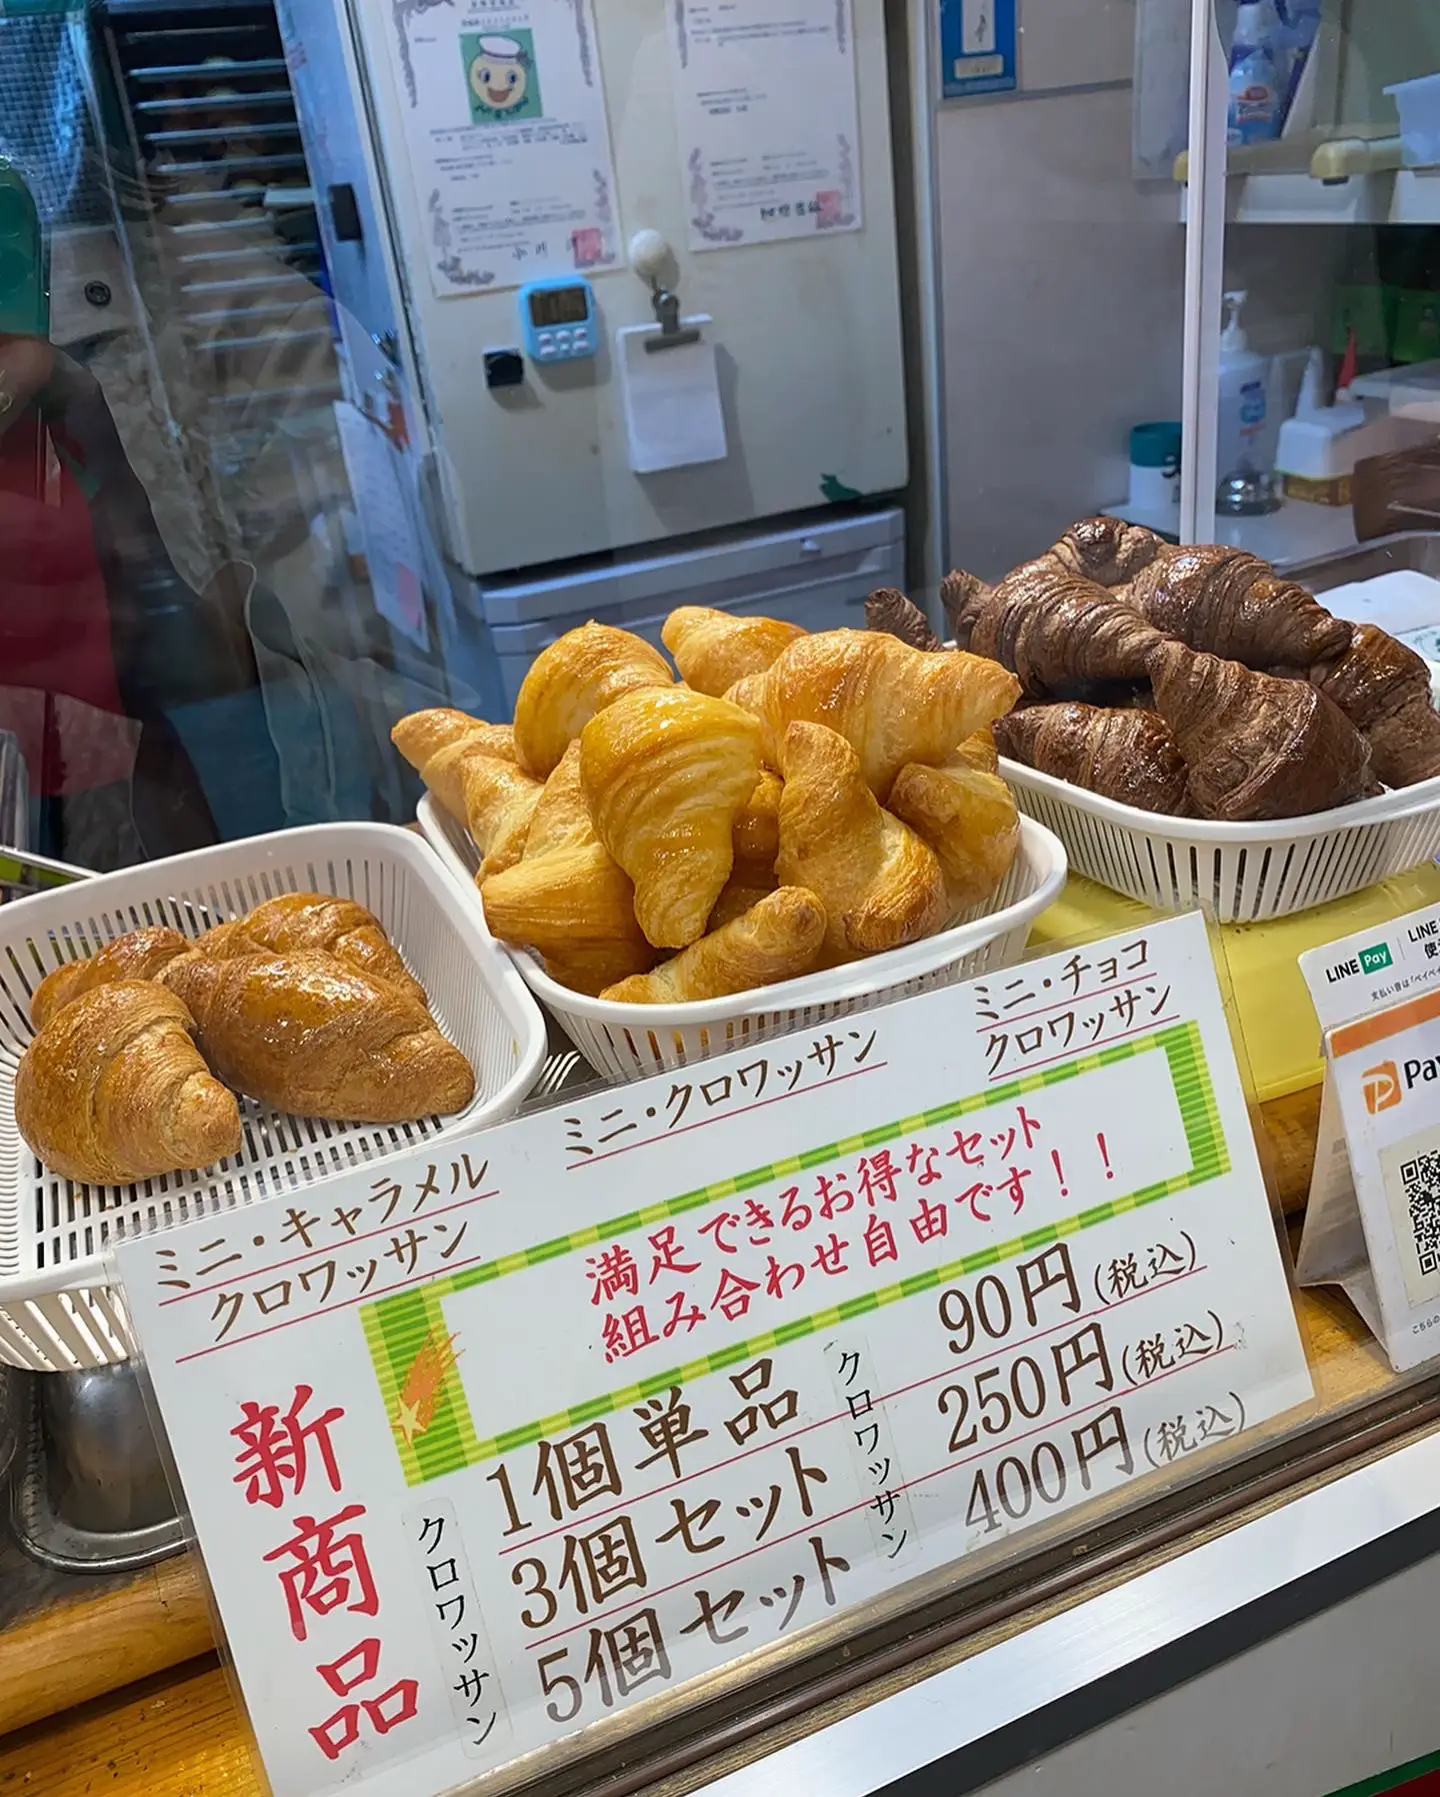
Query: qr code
x=1420, y=1182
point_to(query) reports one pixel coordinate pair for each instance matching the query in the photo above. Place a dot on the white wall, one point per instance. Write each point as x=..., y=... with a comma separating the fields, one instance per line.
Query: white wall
x=1062, y=285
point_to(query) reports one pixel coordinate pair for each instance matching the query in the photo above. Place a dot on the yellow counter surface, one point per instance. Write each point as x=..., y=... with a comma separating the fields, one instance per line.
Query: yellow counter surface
x=1282, y=1038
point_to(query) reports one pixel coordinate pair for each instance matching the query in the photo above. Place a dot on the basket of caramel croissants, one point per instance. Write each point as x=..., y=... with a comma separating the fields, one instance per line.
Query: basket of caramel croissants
x=1202, y=731
x=796, y=826
x=186, y=1036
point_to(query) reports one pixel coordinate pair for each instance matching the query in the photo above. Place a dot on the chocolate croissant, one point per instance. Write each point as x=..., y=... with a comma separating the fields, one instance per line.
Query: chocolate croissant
x=890, y=611
x=1108, y=550
x=1230, y=603
x=1055, y=629
x=1383, y=687
x=1126, y=755
x=1256, y=746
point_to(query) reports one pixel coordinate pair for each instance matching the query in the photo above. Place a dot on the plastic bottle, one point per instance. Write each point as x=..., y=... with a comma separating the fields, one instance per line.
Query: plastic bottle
x=1257, y=75
x=1246, y=435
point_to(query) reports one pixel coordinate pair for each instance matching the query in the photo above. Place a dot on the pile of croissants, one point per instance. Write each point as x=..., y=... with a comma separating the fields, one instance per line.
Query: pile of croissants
x=792, y=803
x=1194, y=681
x=303, y=1004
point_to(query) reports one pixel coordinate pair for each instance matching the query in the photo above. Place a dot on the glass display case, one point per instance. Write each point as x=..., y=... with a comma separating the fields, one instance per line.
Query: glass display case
x=352, y=358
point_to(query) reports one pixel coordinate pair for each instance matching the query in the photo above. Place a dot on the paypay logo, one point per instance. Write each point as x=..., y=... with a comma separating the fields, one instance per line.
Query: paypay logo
x=1382, y=1087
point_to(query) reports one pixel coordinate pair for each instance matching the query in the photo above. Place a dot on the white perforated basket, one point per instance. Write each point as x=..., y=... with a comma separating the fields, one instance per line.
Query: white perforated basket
x=1235, y=873
x=628, y=1042
x=56, y=1312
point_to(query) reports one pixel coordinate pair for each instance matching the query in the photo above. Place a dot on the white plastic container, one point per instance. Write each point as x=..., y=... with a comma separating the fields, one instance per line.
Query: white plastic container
x=57, y=1314
x=628, y=1042
x=1235, y=873
x=1419, y=103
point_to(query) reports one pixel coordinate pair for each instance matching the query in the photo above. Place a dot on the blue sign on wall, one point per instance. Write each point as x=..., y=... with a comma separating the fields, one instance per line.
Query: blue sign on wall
x=977, y=47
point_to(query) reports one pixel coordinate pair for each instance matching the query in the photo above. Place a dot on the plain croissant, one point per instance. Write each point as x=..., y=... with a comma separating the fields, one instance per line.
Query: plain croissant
x=1055, y=629
x=561, y=818
x=575, y=906
x=714, y=649
x=572, y=681
x=665, y=773
x=1383, y=687
x=1229, y=603
x=138, y=956
x=890, y=702
x=778, y=938
x=881, y=886
x=756, y=832
x=302, y=920
x=113, y=1090
x=310, y=1035
x=1127, y=755
x=1255, y=746
x=966, y=813
x=472, y=770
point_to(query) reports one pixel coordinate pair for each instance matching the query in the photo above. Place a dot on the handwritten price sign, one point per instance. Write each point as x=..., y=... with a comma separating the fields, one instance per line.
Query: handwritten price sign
x=485, y=1451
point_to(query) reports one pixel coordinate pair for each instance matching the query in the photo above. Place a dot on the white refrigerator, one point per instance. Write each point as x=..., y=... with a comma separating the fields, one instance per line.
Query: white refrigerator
x=628, y=271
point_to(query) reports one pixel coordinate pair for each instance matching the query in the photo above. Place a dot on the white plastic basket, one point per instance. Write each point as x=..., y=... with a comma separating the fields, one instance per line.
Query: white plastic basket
x=628, y=1042
x=1235, y=873
x=56, y=1312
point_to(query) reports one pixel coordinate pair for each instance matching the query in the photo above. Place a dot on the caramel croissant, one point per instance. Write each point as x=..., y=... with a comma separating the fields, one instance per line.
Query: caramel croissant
x=1256, y=747
x=1055, y=629
x=779, y=938
x=714, y=649
x=665, y=773
x=138, y=956
x=890, y=702
x=1108, y=550
x=1231, y=604
x=571, y=682
x=310, y=1035
x=113, y=1089
x=1126, y=755
x=576, y=908
x=881, y=886
x=966, y=813
x=299, y=920
x=891, y=611
x=1383, y=687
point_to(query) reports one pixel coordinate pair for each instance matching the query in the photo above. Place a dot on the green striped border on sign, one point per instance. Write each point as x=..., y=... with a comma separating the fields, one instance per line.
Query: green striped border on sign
x=396, y=1328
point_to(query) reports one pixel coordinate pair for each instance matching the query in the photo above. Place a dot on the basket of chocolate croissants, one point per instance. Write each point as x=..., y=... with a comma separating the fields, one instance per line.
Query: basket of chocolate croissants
x=183, y=1037
x=1201, y=731
x=798, y=826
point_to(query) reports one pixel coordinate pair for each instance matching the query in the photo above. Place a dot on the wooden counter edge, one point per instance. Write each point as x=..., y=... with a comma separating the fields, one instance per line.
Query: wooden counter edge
x=88, y=1647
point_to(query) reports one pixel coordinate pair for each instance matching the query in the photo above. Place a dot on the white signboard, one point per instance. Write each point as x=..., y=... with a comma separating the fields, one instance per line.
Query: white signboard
x=767, y=118
x=494, y=1440
x=1373, y=1220
x=509, y=143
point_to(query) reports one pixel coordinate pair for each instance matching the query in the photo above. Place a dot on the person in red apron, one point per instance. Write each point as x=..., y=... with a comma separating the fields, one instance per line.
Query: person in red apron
x=81, y=565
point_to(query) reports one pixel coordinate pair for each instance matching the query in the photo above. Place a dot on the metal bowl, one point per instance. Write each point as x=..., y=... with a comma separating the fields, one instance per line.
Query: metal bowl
x=102, y=1464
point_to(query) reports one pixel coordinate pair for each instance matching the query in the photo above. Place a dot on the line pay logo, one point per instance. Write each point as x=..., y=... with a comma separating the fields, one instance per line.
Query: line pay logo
x=1376, y=958
x=1382, y=1087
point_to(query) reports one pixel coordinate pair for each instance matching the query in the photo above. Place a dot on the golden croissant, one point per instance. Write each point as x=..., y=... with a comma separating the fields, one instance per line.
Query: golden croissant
x=779, y=938
x=137, y=956
x=665, y=773
x=576, y=908
x=472, y=770
x=572, y=681
x=881, y=886
x=756, y=835
x=890, y=702
x=308, y=1034
x=561, y=818
x=966, y=813
x=300, y=920
x=741, y=893
x=113, y=1089
x=714, y=649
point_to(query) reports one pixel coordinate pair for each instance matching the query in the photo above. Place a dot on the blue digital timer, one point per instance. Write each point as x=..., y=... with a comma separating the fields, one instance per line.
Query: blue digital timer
x=558, y=320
